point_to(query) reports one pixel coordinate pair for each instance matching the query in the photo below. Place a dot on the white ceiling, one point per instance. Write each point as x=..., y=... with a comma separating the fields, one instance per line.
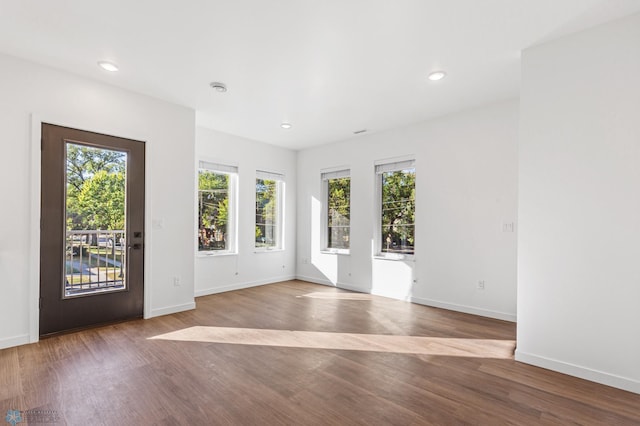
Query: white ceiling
x=329, y=67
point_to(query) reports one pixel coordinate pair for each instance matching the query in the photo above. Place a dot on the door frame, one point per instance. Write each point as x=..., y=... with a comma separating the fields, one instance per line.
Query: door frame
x=35, y=210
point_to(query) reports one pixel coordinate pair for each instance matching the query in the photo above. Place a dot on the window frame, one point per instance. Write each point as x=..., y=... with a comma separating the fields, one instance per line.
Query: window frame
x=223, y=168
x=381, y=167
x=279, y=178
x=326, y=176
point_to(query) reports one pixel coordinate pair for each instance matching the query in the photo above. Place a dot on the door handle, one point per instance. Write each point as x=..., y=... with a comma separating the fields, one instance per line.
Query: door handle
x=135, y=246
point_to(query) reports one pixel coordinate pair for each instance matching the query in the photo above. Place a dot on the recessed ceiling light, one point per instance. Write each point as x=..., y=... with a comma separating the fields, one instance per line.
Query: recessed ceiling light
x=286, y=125
x=108, y=66
x=218, y=87
x=437, y=75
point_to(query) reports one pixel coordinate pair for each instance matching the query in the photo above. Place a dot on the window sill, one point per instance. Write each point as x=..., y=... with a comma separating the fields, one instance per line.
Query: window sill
x=336, y=251
x=267, y=250
x=395, y=257
x=204, y=254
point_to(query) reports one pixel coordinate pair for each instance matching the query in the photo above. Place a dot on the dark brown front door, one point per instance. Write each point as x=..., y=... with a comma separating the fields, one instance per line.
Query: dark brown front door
x=92, y=229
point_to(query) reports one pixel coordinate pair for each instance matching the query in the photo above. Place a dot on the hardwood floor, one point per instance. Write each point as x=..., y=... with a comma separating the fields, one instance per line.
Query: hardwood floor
x=296, y=353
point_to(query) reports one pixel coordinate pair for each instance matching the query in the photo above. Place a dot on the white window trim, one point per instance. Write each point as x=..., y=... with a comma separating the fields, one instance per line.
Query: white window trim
x=279, y=178
x=325, y=176
x=220, y=167
x=382, y=166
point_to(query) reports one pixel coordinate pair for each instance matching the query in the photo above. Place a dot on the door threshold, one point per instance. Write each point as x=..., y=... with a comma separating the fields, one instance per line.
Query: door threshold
x=89, y=327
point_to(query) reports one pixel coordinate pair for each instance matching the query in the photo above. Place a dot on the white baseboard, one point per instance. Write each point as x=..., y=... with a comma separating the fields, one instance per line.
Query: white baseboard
x=14, y=341
x=240, y=286
x=466, y=309
x=579, y=371
x=328, y=283
x=315, y=280
x=428, y=302
x=172, y=309
x=352, y=287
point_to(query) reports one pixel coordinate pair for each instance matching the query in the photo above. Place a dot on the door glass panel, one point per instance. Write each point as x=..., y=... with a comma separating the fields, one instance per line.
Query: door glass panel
x=95, y=248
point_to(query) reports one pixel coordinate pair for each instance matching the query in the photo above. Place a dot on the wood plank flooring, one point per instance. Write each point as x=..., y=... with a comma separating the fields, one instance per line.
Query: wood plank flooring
x=295, y=353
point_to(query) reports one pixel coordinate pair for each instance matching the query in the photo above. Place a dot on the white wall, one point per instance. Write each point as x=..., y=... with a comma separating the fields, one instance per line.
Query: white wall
x=579, y=205
x=466, y=171
x=217, y=273
x=61, y=98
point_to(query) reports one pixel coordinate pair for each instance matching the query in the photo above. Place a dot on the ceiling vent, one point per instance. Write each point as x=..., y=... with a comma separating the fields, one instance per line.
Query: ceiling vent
x=219, y=87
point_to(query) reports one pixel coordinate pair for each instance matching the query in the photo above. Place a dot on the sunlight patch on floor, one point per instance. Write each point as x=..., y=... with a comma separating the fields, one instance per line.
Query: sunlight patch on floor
x=439, y=346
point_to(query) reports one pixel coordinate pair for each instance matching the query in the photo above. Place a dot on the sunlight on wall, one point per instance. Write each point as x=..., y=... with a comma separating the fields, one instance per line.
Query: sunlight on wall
x=327, y=264
x=438, y=346
x=392, y=278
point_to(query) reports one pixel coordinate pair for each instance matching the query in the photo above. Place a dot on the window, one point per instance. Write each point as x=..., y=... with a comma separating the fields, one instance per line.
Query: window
x=337, y=195
x=397, y=195
x=269, y=211
x=216, y=208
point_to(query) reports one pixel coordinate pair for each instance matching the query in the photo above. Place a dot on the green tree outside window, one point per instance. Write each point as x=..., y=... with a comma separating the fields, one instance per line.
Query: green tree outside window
x=398, y=211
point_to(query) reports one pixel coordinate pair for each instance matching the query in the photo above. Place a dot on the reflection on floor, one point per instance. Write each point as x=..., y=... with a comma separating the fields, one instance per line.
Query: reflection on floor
x=338, y=296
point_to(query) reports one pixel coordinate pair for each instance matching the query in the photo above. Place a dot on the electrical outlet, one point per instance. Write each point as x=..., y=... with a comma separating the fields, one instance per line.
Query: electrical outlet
x=176, y=281
x=305, y=261
x=481, y=285
x=508, y=227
